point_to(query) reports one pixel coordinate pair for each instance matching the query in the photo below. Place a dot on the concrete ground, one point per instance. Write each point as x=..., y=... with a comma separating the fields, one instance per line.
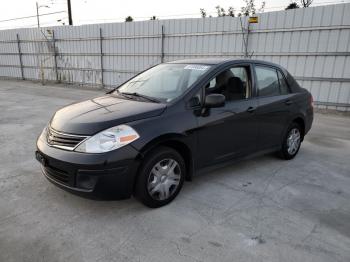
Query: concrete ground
x=263, y=209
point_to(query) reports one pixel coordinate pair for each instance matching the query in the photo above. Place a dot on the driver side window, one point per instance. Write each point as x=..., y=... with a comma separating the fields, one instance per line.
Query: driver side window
x=233, y=83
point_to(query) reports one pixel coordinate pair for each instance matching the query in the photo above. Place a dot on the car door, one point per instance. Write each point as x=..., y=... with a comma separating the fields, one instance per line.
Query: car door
x=229, y=131
x=274, y=106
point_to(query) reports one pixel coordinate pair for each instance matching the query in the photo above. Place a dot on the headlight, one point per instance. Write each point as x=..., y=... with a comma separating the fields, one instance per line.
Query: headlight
x=108, y=140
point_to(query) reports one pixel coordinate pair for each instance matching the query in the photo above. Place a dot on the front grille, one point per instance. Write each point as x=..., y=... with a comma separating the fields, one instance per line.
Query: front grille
x=58, y=175
x=61, y=140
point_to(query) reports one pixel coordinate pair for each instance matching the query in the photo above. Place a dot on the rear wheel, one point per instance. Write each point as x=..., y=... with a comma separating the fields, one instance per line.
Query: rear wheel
x=291, y=143
x=160, y=177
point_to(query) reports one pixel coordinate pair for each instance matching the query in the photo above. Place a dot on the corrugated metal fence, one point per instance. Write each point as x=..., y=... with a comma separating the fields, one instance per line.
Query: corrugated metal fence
x=312, y=43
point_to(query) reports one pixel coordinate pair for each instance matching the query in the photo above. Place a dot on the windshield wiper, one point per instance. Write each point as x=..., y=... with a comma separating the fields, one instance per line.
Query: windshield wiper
x=118, y=92
x=140, y=95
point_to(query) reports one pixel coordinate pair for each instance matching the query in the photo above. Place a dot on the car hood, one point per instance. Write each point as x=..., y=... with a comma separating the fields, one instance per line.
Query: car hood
x=94, y=115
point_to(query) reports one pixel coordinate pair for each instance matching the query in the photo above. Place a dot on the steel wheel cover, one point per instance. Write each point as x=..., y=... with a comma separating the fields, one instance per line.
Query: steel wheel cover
x=164, y=179
x=293, y=141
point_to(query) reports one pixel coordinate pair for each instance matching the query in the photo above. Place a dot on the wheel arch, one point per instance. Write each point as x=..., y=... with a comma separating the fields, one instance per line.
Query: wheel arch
x=176, y=142
x=299, y=119
x=301, y=122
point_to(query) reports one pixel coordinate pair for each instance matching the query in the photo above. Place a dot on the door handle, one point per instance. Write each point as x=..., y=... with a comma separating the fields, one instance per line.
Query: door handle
x=251, y=109
x=288, y=102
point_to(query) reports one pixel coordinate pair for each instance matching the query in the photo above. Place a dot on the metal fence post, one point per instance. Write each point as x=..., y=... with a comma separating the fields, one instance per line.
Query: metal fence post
x=247, y=41
x=20, y=56
x=55, y=54
x=101, y=57
x=162, y=45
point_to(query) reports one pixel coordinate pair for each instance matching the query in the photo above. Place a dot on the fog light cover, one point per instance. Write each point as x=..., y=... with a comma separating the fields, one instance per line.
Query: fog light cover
x=85, y=181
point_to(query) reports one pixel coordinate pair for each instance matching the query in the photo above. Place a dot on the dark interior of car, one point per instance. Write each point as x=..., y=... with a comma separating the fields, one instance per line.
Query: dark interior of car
x=231, y=86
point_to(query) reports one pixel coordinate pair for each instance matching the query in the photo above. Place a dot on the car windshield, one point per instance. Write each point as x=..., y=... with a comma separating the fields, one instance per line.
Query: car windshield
x=164, y=82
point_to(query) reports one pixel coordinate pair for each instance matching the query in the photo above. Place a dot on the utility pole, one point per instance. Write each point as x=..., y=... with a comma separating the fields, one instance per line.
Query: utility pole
x=37, y=14
x=69, y=13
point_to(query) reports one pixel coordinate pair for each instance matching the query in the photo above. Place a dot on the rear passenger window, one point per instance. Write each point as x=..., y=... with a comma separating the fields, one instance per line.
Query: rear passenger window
x=283, y=84
x=267, y=81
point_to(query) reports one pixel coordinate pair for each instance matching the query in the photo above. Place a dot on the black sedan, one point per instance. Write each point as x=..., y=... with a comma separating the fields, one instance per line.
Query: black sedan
x=149, y=135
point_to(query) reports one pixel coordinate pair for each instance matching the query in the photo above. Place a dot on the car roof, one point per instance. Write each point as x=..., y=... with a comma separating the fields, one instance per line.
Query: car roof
x=220, y=61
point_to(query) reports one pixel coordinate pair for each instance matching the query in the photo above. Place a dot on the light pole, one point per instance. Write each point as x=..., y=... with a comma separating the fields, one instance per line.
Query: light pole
x=37, y=12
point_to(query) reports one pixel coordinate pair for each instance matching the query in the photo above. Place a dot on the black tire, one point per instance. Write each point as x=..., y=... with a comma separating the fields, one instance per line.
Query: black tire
x=157, y=156
x=285, y=152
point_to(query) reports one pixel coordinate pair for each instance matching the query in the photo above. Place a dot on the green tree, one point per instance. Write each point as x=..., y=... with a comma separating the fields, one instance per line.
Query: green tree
x=250, y=8
x=220, y=11
x=203, y=12
x=231, y=11
x=129, y=19
x=292, y=5
x=306, y=3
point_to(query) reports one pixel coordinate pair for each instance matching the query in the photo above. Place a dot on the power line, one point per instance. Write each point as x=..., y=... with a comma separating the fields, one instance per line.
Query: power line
x=208, y=13
x=32, y=16
x=46, y=24
x=314, y=5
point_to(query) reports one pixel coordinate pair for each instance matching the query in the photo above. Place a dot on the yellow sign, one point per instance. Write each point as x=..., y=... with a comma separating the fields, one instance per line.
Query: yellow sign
x=253, y=20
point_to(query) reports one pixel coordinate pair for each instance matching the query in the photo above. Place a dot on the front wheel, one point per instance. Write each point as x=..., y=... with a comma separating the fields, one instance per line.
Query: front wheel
x=291, y=143
x=160, y=177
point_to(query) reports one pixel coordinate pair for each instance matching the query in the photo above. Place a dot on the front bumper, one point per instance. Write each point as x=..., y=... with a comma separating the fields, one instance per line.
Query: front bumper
x=109, y=175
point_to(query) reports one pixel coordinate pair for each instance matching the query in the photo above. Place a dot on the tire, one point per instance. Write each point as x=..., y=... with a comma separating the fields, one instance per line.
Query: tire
x=160, y=178
x=291, y=142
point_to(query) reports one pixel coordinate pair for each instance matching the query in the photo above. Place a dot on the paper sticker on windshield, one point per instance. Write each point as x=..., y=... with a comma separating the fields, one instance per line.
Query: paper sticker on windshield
x=197, y=67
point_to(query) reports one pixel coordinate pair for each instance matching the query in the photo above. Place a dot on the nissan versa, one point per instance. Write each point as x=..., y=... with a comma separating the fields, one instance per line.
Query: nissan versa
x=150, y=134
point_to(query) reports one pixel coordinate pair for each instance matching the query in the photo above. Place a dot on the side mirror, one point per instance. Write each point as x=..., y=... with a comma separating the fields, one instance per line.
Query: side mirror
x=214, y=100
x=194, y=101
